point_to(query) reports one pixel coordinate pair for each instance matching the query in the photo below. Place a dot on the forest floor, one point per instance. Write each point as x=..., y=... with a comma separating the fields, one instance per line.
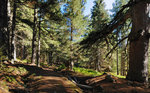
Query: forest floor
x=47, y=80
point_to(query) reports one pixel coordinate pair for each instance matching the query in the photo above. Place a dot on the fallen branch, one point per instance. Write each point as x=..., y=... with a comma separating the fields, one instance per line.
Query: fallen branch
x=80, y=85
x=84, y=86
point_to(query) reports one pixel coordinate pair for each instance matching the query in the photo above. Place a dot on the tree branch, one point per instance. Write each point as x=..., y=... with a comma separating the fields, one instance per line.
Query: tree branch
x=116, y=45
x=95, y=36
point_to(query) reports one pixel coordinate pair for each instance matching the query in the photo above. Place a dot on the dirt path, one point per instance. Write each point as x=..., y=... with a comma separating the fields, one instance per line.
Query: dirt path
x=42, y=80
x=48, y=81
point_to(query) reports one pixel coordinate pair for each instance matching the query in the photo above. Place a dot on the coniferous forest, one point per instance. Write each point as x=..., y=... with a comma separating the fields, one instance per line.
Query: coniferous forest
x=51, y=46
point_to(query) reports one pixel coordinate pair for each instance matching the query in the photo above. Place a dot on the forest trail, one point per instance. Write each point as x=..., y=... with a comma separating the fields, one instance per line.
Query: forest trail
x=48, y=81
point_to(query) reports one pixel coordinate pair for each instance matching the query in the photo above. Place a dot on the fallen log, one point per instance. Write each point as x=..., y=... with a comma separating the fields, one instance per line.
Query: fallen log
x=84, y=86
x=79, y=85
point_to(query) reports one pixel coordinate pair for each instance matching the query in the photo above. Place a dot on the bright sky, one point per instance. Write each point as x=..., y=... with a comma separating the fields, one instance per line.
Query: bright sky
x=90, y=4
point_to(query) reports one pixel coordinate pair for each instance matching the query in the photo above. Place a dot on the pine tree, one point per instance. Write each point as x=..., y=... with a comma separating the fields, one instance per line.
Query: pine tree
x=99, y=15
x=76, y=23
x=121, y=32
x=99, y=19
x=33, y=57
x=24, y=26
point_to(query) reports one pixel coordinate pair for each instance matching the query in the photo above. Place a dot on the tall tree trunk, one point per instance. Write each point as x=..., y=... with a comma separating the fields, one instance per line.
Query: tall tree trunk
x=9, y=30
x=90, y=62
x=123, y=56
x=3, y=13
x=23, y=52
x=98, y=62
x=117, y=62
x=50, y=62
x=71, y=64
x=13, y=36
x=139, y=43
x=3, y=23
x=123, y=61
x=117, y=54
x=39, y=41
x=33, y=57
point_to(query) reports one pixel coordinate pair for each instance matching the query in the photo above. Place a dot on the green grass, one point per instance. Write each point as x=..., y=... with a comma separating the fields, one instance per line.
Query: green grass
x=119, y=76
x=87, y=72
x=22, y=61
x=11, y=79
x=90, y=72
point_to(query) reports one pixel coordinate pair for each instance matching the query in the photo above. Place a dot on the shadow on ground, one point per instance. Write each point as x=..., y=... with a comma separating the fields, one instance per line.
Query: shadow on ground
x=42, y=80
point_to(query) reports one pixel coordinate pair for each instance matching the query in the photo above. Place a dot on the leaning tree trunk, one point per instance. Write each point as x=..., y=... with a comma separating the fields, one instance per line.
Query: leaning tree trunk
x=139, y=42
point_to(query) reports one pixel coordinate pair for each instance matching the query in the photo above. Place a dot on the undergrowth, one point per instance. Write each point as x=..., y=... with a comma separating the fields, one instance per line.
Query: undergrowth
x=119, y=76
x=10, y=74
x=90, y=72
x=4, y=85
x=87, y=72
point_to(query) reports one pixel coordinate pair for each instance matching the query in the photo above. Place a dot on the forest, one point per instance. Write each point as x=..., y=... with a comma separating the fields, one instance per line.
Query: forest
x=50, y=46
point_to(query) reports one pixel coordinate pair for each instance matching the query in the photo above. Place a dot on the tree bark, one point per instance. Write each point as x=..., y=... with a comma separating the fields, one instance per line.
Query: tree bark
x=123, y=55
x=3, y=25
x=98, y=60
x=117, y=54
x=13, y=36
x=33, y=57
x=9, y=30
x=50, y=62
x=117, y=62
x=123, y=61
x=3, y=13
x=39, y=40
x=139, y=43
x=71, y=63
